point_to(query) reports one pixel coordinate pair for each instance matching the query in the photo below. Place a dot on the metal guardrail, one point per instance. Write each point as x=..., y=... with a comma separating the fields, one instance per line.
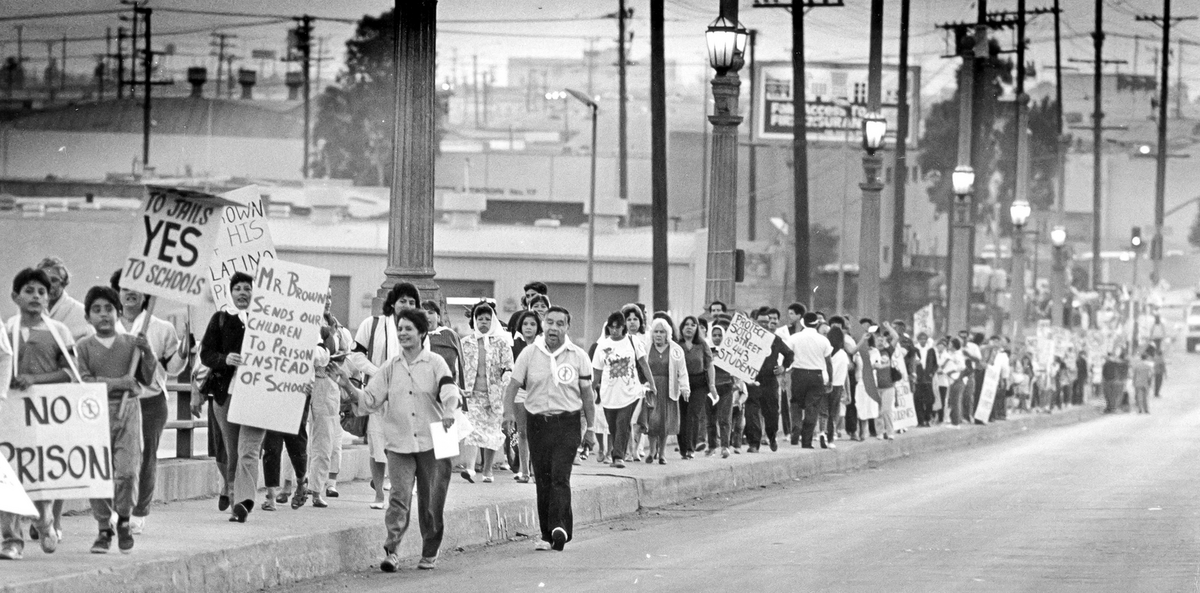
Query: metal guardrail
x=183, y=424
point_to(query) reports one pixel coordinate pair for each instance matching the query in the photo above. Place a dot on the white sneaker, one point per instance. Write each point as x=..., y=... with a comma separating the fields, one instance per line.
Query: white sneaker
x=137, y=524
x=542, y=546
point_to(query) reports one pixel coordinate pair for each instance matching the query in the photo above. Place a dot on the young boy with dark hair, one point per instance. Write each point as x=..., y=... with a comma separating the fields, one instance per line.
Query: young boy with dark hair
x=40, y=354
x=107, y=357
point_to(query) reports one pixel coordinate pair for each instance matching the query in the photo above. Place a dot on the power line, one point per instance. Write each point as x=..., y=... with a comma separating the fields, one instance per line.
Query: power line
x=175, y=33
x=234, y=14
x=58, y=15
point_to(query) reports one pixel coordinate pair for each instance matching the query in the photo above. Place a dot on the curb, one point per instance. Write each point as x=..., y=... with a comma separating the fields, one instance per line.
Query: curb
x=294, y=558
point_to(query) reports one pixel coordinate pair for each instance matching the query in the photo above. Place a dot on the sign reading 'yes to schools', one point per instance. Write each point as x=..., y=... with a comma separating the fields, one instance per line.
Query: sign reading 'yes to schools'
x=55, y=437
x=282, y=330
x=172, y=244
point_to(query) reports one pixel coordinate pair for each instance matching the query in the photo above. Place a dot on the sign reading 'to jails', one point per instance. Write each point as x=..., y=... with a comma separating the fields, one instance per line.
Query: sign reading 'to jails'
x=56, y=439
x=744, y=348
x=243, y=241
x=283, y=328
x=172, y=245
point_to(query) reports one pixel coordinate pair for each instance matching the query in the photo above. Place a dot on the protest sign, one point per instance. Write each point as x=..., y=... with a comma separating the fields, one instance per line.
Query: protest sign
x=283, y=328
x=987, y=396
x=744, y=348
x=923, y=321
x=172, y=244
x=243, y=241
x=12, y=496
x=55, y=437
x=904, y=413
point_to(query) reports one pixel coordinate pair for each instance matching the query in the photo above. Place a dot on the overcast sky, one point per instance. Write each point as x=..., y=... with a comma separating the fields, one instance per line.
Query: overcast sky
x=497, y=29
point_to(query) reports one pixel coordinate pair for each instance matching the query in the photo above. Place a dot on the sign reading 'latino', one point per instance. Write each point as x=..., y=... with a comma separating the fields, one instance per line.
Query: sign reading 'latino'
x=282, y=331
x=55, y=437
x=172, y=245
x=244, y=240
x=744, y=348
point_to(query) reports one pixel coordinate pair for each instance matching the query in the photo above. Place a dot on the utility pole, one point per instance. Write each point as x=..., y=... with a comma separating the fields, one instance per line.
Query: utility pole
x=1160, y=172
x=800, y=221
x=1097, y=144
x=147, y=63
x=133, y=51
x=304, y=37
x=1021, y=175
x=475, y=86
x=591, y=65
x=62, y=73
x=622, y=117
x=1061, y=200
x=752, y=150
x=658, y=158
x=120, y=62
x=900, y=179
x=221, y=43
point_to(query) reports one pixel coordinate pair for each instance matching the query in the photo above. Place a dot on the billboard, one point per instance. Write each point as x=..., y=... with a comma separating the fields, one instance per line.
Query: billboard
x=836, y=95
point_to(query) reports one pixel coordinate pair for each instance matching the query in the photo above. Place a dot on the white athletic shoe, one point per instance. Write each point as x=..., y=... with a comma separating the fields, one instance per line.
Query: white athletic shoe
x=542, y=546
x=137, y=524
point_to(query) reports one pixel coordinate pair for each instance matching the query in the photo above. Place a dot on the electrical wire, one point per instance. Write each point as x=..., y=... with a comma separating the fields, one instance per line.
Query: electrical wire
x=59, y=15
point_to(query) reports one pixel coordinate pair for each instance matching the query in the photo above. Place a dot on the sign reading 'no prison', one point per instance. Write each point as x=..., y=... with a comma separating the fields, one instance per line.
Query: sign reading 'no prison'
x=56, y=439
x=172, y=244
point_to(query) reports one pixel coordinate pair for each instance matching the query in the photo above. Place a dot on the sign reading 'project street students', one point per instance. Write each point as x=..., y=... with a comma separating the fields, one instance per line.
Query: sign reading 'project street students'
x=243, y=241
x=744, y=348
x=55, y=438
x=172, y=244
x=282, y=330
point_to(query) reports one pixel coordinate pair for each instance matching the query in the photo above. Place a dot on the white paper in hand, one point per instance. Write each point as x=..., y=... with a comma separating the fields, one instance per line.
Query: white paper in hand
x=12, y=496
x=445, y=444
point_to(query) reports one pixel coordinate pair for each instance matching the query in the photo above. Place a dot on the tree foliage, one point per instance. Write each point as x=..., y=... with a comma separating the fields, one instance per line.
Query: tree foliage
x=939, y=152
x=1194, y=232
x=353, y=129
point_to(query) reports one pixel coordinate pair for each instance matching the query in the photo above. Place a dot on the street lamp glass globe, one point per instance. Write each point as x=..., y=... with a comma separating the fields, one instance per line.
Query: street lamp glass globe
x=963, y=180
x=874, y=128
x=1058, y=236
x=725, y=39
x=1019, y=212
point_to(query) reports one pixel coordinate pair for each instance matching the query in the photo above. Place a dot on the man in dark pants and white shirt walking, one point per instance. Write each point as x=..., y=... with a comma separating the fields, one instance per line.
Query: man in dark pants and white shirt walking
x=557, y=378
x=762, y=400
x=812, y=369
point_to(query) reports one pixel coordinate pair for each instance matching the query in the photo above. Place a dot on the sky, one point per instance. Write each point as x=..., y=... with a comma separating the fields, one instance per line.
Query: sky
x=497, y=29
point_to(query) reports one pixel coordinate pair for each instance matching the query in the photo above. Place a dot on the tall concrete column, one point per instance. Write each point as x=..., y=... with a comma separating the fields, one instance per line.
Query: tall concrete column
x=722, y=209
x=410, y=227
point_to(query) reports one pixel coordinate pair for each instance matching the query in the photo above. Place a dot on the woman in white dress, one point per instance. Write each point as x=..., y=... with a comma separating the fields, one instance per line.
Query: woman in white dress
x=866, y=395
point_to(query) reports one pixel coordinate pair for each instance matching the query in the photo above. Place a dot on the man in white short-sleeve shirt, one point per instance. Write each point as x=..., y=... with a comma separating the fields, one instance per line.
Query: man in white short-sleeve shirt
x=812, y=367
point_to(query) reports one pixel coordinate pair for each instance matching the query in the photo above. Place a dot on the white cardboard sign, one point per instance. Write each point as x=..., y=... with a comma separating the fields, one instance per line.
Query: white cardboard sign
x=55, y=438
x=172, y=244
x=283, y=328
x=243, y=241
x=744, y=348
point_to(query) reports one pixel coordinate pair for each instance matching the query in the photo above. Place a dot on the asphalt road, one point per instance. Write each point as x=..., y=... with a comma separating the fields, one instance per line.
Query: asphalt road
x=1108, y=505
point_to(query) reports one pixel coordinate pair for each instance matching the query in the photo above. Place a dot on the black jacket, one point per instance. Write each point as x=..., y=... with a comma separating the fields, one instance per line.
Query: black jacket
x=223, y=336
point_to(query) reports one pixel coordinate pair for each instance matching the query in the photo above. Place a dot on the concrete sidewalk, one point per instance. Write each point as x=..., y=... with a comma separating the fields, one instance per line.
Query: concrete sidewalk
x=190, y=546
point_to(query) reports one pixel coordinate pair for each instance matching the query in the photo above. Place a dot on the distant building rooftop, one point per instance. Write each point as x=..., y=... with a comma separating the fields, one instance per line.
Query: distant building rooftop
x=174, y=115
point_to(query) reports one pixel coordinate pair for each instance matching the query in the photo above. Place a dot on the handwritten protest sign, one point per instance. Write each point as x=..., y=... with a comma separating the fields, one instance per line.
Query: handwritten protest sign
x=55, y=438
x=904, y=413
x=744, y=348
x=12, y=496
x=243, y=241
x=172, y=244
x=991, y=382
x=923, y=321
x=283, y=328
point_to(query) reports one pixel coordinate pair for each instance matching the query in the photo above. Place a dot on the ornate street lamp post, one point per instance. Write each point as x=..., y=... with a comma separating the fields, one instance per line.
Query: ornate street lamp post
x=1058, y=279
x=961, y=260
x=874, y=127
x=1019, y=214
x=726, y=41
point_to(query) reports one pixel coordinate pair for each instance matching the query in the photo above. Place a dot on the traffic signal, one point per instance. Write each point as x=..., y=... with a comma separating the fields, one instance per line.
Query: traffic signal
x=1135, y=238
